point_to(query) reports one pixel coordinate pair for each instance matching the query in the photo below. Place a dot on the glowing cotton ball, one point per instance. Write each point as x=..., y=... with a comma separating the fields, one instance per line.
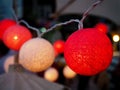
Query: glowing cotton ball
x=88, y=51
x=4, y=24
x=9, y=61
x=102, y=27
x=15, y=36
x=68, y=72
x=36, y=55
x=51, y=74
x=59, y=46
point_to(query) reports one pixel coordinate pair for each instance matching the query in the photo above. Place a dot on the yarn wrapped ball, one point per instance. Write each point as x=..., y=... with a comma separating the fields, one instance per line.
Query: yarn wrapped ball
x=36, y=55
x=88, y=51
x=15, y=36
x=102, y=27
x=51, y=74
x=59, y=46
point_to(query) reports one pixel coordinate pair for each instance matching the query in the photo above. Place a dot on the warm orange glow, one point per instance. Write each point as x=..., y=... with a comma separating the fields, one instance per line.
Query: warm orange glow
x=15, y=37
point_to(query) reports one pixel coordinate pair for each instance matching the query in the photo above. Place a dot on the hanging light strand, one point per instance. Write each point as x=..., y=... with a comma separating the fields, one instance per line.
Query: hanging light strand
x=14, y=15
x=30, y=27
x=80, y=25
x=85, y=14
x=80, y=22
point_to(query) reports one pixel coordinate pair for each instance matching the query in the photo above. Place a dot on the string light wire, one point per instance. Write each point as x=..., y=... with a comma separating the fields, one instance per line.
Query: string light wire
x=33, y=28
x=80, y=22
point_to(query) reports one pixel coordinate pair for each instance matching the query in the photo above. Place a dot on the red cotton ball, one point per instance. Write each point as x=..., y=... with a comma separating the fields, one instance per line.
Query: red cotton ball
x=102, y=27
x=4, y=24
x=59, y=46
x=15, y=36
x=88, y=51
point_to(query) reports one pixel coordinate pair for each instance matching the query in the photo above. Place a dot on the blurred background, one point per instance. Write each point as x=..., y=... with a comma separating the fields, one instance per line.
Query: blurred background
x=46, y=13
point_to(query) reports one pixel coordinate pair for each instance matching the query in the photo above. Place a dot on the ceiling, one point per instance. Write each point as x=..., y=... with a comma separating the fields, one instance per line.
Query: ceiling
x=108, y=8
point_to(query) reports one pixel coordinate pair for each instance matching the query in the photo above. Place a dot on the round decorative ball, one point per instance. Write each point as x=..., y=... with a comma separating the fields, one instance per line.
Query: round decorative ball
x=59, y=46
x=9, y=61
x=88, y=51
x=102, y=27
x=4, y=24
x=51, y=74
x=36, y=54
x=15, y=36
x=68, y=72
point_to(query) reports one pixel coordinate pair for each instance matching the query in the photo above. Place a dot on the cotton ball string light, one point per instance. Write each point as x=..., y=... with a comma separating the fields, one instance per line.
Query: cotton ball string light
x=4, y=24
x=15, y=36
x=102, y=27
x=9, y=61
x=51, y=74
x=36, y=55
x=59, y=46
x=88, y=51
x=68, y=72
